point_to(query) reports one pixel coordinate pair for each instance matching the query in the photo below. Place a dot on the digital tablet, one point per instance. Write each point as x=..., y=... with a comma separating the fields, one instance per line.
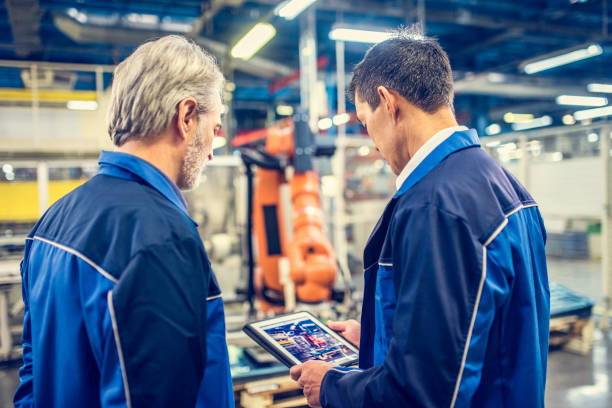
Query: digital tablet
x=298, y=337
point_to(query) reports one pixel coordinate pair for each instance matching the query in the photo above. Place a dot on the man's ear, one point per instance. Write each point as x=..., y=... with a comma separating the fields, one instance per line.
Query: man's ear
x=388, y=100
x=187, y=118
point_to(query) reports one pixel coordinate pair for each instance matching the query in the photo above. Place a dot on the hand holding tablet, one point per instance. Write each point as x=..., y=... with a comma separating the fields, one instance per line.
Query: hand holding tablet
x=299, y=337
x=349, y=329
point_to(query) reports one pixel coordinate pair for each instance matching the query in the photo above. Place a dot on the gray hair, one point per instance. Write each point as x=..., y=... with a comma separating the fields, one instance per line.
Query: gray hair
x=150, y=83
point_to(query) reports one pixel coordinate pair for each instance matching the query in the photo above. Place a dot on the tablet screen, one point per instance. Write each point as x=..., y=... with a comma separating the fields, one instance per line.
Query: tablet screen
x=305, y=338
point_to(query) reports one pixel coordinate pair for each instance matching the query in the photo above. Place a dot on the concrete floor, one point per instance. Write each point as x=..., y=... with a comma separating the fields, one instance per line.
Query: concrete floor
x=573, y=381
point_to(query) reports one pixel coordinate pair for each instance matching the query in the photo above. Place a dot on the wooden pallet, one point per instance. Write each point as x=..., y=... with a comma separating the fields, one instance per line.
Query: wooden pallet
x=572, y=333
x=276, y=392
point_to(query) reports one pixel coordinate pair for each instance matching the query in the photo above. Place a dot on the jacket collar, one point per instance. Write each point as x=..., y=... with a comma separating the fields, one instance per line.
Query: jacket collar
x=127, y=166
x=457, y=141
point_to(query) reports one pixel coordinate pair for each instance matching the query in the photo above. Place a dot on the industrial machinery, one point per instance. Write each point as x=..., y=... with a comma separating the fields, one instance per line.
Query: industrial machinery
x=295, y=260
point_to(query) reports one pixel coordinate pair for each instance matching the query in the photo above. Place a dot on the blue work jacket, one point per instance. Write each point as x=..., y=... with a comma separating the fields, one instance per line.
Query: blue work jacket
x=456, y=299
x=121, y=305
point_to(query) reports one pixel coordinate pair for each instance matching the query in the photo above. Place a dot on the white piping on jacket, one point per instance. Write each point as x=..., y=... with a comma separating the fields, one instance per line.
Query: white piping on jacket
x=111, y=310
x=79, y=255
x=494, y=235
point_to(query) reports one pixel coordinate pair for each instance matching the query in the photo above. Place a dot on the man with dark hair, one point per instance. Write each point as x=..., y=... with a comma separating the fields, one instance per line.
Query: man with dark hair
x=456, y=301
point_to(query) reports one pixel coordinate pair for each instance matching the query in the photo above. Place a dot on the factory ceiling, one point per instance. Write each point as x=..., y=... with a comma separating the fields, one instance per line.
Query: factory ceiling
x=488, y=42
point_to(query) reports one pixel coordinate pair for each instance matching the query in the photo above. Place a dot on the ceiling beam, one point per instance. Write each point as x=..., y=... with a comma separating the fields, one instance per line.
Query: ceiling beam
x=513, y=87
x=84, y=33
x=24, y=17
x=438, y=12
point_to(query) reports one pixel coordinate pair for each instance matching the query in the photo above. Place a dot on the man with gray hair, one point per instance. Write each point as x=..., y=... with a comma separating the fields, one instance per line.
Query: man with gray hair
x=121, y=305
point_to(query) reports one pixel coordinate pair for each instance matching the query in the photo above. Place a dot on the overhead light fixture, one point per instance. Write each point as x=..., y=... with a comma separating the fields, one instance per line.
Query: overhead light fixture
x=257, y=37
x=284, y=110
x=601, y=88
x=82, y=105
x=341, y=119
x=180, y=26
x=493, y=144
x=592, y=50
x=290, y=9
x=356, y=35
x=144, y=19
x=77, y=15
x=581, y=100
x=493, y=129
x=510, y=117
x=568, y=120
x=593, y=113
x=534, y=123
x=496, y=77
x=592, y=137
x=325, y=123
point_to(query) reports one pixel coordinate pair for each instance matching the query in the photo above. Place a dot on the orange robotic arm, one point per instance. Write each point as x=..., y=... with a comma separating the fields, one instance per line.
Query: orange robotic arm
x=311, y=256
x=312, y=260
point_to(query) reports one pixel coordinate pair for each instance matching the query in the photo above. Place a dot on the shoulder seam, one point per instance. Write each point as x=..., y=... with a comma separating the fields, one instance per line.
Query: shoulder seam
x=76, y=253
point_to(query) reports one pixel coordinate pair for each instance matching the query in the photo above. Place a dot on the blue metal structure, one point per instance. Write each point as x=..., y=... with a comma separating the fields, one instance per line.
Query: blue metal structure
x=480, y=36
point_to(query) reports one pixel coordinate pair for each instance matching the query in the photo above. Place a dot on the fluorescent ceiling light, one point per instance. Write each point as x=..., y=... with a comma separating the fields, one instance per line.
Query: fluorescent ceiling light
x=144, y=19
x=355, y=35
x=592, y=50
x=252, y=41
x=510, y=117
x=341, y=119
x=534, y=123
x=77, y=15
x=581, y=100
x=593, y=113
x=493, y=144
x=601, y=88
x=496, y=77
x=290, y=9
x=325, y=123
x=82, y=105
x=284, y=110
x=493, y=129
x=175, y=27
x=593, y=137
x=568, y=120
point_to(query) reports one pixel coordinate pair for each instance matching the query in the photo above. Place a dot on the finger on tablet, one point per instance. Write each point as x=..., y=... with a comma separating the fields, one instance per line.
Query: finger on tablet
x=295, y=372
x=336, y=326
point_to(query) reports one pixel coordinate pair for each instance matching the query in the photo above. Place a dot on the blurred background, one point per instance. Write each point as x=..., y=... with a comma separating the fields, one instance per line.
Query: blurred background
x=533, y=77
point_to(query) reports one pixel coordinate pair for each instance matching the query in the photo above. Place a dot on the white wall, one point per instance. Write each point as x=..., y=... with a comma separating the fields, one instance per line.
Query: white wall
x=568, y=188
x=60, y=130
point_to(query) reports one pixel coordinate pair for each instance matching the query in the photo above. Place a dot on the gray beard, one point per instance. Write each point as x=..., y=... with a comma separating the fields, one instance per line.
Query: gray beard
x=193, y=163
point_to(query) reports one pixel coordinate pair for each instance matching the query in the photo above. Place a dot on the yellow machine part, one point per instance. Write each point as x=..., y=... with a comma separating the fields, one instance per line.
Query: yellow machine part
x=46, y=95
x=19, y=200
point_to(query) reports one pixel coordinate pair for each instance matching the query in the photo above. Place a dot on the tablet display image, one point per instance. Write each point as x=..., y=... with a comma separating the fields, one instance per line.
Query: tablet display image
x=305, y=340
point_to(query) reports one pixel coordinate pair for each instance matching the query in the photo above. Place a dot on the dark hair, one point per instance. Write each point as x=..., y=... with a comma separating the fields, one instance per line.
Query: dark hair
x=410, y=64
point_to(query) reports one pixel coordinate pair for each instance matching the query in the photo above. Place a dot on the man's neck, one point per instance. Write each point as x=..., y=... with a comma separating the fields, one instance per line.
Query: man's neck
x=428, y=126
x=158, y=153
x=421, y=127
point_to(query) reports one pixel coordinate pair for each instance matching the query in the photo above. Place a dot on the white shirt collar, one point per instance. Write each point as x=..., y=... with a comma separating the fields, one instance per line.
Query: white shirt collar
x=424, y=151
